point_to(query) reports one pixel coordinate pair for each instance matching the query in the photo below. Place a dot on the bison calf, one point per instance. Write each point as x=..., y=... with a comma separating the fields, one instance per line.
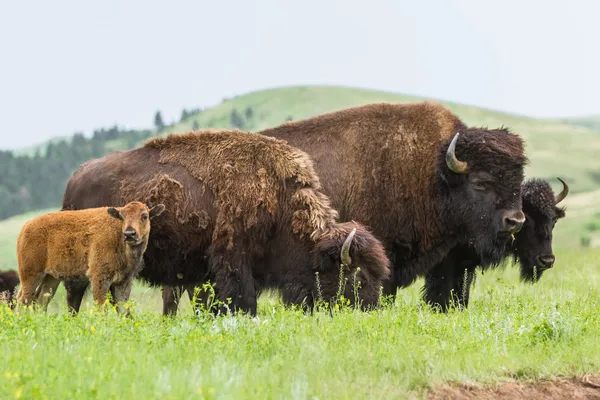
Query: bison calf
x=102, y=245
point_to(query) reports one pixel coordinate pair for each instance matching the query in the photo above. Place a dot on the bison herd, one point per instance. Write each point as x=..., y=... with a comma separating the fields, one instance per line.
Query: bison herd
x=358, y=202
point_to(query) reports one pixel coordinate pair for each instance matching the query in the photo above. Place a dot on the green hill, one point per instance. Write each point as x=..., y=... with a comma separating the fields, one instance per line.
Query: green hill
x=592, y=122
x=555, y=148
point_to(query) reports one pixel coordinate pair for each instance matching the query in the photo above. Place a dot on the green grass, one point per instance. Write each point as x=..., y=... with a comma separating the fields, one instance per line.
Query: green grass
x=511, y=331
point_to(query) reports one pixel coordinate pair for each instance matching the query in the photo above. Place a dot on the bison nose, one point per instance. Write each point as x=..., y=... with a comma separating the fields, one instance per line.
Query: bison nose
x=546, y=261
x=130, y=234
x=513, y=223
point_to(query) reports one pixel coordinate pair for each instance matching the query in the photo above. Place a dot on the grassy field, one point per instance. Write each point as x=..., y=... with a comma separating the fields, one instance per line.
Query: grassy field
x=511, y=331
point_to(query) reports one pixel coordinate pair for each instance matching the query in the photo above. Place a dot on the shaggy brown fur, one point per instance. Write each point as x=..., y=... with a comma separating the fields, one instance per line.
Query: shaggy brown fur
x=102, y=245
x=243, y=210
x=384, y=165
x=9, y=280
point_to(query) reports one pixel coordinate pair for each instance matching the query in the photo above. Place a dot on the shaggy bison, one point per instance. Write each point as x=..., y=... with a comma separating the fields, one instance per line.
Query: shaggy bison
x=450, y=280
x=9, y=280
x=243, y=210
x=423, y=181
x=102, y=245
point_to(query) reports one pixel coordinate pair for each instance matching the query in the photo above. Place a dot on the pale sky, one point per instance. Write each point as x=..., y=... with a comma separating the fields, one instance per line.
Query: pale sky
x=70, y=66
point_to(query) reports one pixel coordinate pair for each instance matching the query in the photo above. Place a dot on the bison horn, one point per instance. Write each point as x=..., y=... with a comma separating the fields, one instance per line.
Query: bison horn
x=455, y=165
x=561, y=196
x=345, y=253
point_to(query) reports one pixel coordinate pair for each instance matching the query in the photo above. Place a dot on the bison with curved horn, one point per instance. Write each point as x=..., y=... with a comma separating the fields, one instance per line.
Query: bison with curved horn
x=449, y=283
x=244, y=211
x=420, y=178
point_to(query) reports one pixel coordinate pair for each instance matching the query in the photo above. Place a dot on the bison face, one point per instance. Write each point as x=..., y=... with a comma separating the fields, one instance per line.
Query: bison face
x=135, y=218
x=533, y=244
x=481, y=176
x=363, y=262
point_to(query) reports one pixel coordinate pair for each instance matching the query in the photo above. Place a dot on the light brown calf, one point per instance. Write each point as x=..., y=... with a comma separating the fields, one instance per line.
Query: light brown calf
x=103, y=245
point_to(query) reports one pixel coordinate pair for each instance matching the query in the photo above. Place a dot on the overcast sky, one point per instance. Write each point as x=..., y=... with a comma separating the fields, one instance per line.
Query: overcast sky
x=71, y=66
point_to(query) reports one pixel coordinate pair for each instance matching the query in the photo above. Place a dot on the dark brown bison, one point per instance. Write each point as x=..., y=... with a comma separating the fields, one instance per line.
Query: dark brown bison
x=449, y=282
x=244, y=211
x=423, y=181
x=9, y=280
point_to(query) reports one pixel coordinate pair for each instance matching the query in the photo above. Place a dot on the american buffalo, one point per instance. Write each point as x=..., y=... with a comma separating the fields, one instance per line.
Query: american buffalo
x=423, y=181
x=244, y=211
x=450, y=281
x=9, y=280
x=102, y=245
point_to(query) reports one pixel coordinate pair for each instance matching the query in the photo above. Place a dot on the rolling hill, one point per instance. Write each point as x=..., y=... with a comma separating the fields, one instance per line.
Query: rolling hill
x=565, y=148
x=592, y=122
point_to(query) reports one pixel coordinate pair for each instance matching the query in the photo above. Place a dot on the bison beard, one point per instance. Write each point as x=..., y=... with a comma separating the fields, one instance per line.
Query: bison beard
x=449, y=282
x=402, y=170
x=244, y=211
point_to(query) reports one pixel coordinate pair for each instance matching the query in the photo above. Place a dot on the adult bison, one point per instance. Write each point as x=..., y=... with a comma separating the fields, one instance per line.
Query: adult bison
x=451, y=279
x=242, y=210
x=423, y=181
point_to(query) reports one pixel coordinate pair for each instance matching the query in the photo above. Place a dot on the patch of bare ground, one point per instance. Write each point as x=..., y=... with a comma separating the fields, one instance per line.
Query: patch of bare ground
x=586, y=387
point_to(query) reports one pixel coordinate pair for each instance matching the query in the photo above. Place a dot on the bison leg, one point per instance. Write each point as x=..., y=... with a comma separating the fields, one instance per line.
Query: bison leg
x=171, y=296
x=234, y=283
x=75, y=291
x=100, y=287
x=121, y=293
x=46, y=291
x=447, y=285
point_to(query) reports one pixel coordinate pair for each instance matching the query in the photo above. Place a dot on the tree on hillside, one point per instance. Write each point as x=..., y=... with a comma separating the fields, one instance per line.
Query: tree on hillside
x=158, y=121
x=184, y=115
x=195, y=125
x=249, y=112
x=236, y=119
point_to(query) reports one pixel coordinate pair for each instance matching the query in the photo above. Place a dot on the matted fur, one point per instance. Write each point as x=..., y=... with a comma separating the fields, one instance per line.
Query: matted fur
x=265, y=222
x=384, y=165
x=263, y=164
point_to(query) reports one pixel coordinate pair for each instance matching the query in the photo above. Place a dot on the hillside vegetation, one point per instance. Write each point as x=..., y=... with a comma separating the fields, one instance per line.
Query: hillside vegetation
x=592, y=122
x=554, y=148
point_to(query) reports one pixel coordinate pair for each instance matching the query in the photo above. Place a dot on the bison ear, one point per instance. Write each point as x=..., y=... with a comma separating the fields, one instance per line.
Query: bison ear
x=560, y=212
x=113, y=212
x=157, y=210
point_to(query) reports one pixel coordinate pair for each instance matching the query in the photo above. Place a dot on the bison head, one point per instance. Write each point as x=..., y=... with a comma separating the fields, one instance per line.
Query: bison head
x=9, y=280
x=533, y=244
x=480, y=173
x=135, y=218
x=362, y=259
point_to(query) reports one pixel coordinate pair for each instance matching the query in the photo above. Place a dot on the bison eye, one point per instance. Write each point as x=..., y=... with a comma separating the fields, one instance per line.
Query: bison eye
x=479, y=186
x=144, y=217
